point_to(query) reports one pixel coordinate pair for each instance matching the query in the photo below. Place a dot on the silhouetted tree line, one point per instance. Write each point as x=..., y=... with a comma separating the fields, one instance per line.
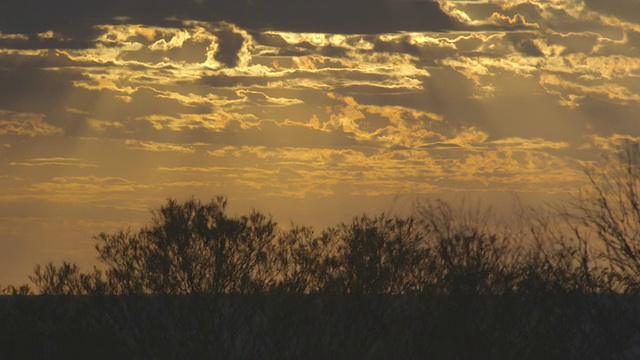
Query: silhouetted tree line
x=447, y=282
x=196, y=248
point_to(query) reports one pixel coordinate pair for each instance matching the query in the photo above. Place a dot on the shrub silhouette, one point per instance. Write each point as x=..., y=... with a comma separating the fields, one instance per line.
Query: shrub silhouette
x=191, y=248
x=377, y=255
x=468, y=251
x=66, y=280
x=196, y=248
x=609, y=211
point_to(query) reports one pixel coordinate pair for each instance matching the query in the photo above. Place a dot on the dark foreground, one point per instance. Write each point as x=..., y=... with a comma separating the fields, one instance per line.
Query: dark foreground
x=320, y=327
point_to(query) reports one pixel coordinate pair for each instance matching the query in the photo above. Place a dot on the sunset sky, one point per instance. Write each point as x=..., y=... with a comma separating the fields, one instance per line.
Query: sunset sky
x=313, y=111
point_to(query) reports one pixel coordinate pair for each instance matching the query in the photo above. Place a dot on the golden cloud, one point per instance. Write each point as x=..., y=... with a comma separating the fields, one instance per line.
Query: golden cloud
x=506, y=21
x=102, y=126
x=404, y=126
x=157, y=147
x=54, y=161
x=508, y=164
x=82, y=187
x=611, y=91
x=26, y=124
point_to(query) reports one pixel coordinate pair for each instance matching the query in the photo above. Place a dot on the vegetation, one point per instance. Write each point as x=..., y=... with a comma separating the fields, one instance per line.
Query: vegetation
x=447, y=282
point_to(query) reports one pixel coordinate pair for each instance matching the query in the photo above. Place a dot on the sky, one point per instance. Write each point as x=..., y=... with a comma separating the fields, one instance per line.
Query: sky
x=314, y=111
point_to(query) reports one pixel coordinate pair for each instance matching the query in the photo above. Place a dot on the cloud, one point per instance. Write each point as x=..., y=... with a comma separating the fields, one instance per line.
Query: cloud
x=513, y=163
x=611, y=143
x=81, y=188
x=342, y=16
x=599, y=67
x=492, y=16
x=26, y=124
x=470, y=137
x=504, y=21
x=528, y=47
x=176, y=42
x=623, y=9
x=161, y=85
x=536, y=143
x=380, y=125
x=262, y=99
x=171, y=78
x=576, y=91
x=157, y=147
x=233, y=172
x=54, y=161
x=13, y=37
x=103, y=126
x=228, y=48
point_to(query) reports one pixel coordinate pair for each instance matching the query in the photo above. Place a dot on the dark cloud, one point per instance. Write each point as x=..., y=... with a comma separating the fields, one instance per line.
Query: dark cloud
x=531, y=11
x=225, y=81
x=269, y=133
x=494, y=16
x=329, y=79
x=29, y=89
x=190, y=51
x=74, y=20
x=335, y=16
x=606, y=118
x=80, y=40
x=396, y=46
x=333, y=51
x=574, y=42
x=229, y=44
x=441, y=146
x=282, y=48
x=45, y=59
x=527, y=47
x=624, y=9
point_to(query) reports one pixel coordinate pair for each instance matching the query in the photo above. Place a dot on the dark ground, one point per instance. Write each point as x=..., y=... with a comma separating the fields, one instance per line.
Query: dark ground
x=320, y=327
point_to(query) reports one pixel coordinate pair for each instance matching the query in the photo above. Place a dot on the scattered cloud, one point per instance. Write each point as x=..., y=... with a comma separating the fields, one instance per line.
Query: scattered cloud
x=26, y=124
x=54, y=161
x=155, y=146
